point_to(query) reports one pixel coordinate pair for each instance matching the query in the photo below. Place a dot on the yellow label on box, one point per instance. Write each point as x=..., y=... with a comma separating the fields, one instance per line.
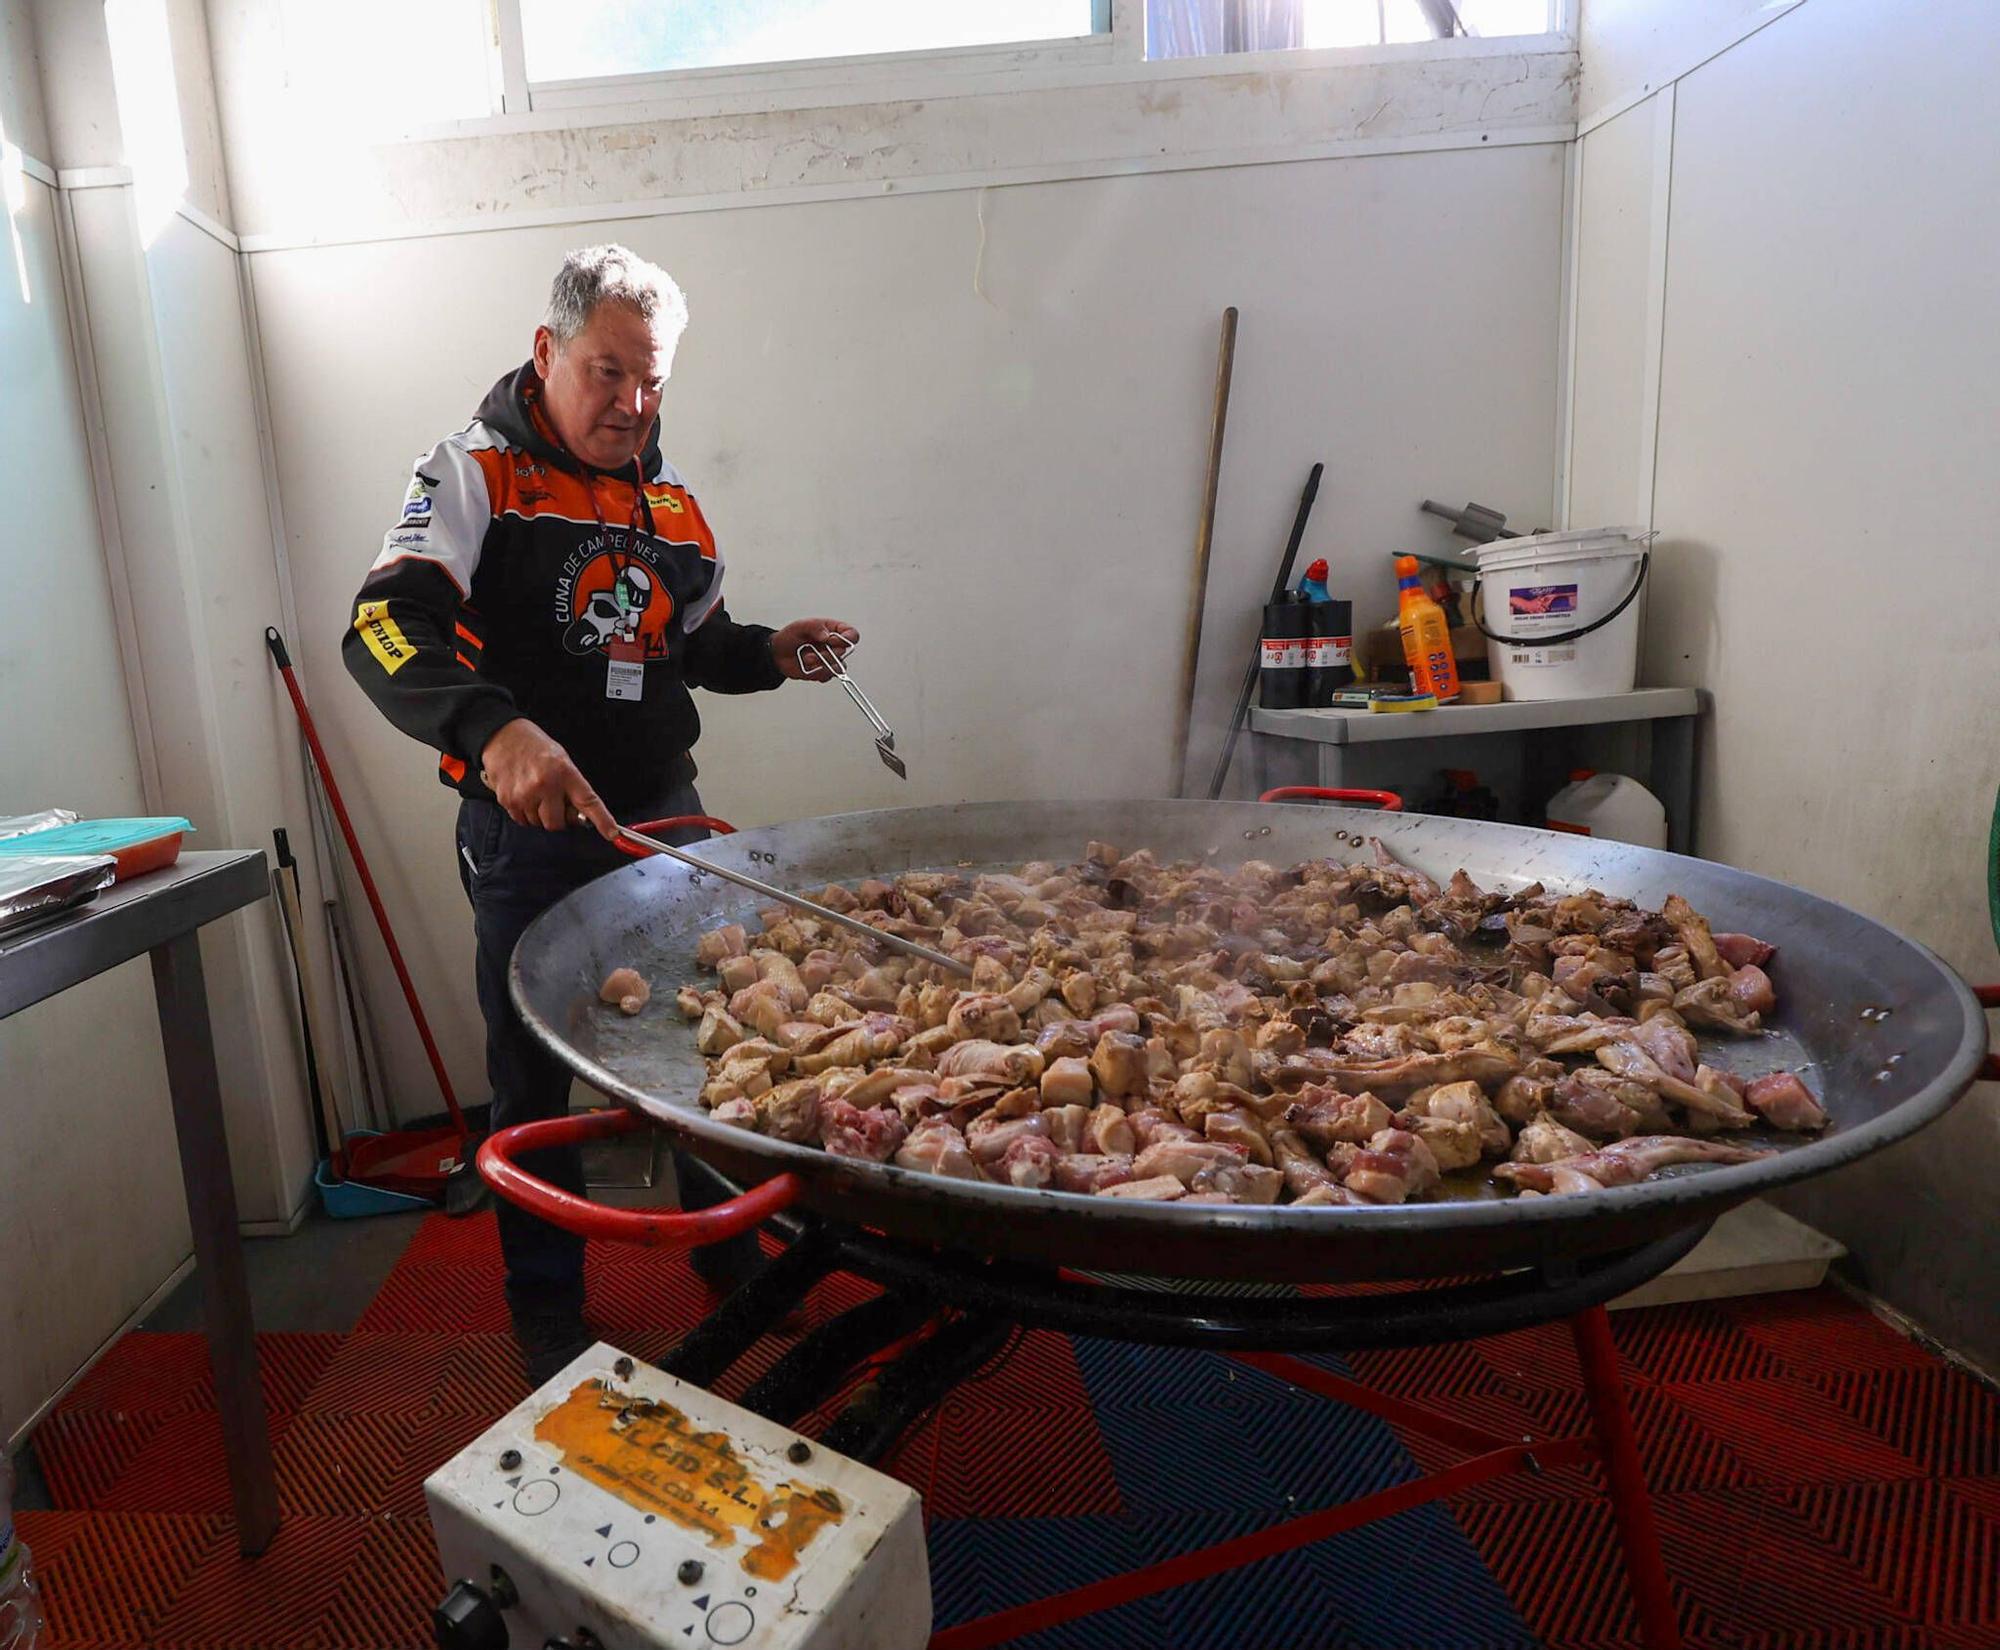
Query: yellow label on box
x=653, y=1458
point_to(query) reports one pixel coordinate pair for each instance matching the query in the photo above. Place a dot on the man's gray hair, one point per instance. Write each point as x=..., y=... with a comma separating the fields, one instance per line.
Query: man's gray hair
x=594, y=275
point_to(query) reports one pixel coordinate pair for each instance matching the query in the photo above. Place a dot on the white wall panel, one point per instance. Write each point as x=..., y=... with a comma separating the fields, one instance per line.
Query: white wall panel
x=1827, y=412
x=1617, y=257
x=990, y=461
x=91, y=1214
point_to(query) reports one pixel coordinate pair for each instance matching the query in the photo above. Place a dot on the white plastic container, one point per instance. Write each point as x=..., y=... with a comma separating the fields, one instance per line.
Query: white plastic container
x=1609, y=805
x=1539, y=591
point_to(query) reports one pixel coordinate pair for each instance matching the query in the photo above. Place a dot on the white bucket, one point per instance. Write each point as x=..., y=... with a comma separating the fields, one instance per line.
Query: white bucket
x=1538, y=593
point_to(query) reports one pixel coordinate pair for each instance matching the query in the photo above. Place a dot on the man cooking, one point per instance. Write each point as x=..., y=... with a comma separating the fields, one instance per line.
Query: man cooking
x=537, y=615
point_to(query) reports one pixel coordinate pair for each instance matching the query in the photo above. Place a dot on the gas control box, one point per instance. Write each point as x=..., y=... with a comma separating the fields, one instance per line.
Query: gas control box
x=619, y=1507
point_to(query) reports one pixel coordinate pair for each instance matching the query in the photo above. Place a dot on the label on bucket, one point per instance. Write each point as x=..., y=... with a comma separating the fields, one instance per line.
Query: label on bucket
x=1327, y=652
x=1541, y=606
x=1542, y=655
x=1284, y=652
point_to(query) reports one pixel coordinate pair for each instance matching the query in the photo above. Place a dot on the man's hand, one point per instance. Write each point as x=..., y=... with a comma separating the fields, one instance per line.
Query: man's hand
x=536, y=782
x=831, y=634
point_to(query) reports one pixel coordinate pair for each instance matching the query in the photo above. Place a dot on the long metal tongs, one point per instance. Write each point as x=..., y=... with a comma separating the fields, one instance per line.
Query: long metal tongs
x=798, y=902
x=835, y=666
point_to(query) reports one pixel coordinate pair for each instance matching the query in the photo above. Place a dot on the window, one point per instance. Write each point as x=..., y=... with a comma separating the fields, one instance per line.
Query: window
x=581, y=39
x=1210, y=28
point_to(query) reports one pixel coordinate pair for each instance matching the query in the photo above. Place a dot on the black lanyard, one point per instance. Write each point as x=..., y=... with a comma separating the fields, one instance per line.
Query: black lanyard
x=642, y=512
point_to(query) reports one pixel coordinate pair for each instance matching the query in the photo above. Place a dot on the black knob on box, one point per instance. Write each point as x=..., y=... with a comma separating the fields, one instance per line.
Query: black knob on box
x=469, y=1619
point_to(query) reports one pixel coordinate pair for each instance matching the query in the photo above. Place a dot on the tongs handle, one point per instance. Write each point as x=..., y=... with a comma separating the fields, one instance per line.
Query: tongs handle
x=835, y=666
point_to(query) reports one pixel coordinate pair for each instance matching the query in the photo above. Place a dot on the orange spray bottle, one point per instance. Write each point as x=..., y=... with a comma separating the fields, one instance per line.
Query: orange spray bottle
x=1426, y=635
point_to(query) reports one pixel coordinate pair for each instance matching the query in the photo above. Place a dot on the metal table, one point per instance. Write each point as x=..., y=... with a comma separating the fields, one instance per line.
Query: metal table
x=159, y=914
x=1310, y=747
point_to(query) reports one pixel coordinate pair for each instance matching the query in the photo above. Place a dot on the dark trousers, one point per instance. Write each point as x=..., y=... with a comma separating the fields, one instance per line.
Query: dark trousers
x=512, y=873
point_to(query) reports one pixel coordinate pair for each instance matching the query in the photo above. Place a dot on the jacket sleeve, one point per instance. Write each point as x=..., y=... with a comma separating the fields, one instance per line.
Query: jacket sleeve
x=726, y=657
x=406, y=643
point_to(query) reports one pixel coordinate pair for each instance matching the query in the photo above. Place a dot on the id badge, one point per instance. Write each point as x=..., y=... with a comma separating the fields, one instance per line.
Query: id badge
x=625, y=670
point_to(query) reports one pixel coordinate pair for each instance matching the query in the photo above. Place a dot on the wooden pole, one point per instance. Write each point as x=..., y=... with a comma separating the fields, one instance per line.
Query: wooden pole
x=1204, y=538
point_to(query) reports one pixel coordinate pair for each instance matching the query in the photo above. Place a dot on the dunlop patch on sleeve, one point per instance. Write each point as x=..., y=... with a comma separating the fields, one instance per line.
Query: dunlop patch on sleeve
x=383, y=636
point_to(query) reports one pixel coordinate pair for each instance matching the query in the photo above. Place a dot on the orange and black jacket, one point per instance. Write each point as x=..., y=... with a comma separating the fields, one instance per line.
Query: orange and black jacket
x=519, y=581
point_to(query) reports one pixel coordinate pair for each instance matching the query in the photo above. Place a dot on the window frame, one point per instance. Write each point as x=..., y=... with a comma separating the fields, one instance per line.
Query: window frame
x=1115, y=53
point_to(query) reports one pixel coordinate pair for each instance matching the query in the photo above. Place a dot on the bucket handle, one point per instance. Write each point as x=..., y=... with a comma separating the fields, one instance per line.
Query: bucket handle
x=1479, y=616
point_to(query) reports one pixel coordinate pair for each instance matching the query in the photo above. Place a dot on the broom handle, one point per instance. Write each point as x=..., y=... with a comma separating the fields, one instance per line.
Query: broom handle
x=276, y=644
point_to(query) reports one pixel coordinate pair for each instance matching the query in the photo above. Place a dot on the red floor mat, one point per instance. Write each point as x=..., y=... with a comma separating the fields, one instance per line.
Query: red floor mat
x=1819, y=1480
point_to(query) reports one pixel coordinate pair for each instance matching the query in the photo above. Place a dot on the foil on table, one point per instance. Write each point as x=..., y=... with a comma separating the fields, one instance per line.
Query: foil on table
x=35, y=887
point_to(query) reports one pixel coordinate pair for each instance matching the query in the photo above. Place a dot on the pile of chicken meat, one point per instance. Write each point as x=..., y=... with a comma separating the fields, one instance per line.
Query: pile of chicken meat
x=1323, y=1034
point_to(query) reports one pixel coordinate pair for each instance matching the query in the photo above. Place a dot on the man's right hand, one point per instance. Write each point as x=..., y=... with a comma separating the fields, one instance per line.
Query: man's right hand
x=532, y=777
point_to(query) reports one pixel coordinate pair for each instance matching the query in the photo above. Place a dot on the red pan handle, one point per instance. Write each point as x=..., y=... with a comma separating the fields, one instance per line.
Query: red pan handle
x=1388, y=801
x=1989, y=997
x=659, y=827
x=659, y=1229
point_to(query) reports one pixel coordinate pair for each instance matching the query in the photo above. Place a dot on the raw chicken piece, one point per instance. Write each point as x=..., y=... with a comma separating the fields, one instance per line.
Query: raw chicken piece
x=1160, y=1189
x=1066, y=1081
x=1320, y=1197
x=1092, y=1172
x=1028, y=1162
x=1668, y=1043
x=693, y=1004
x=1463, y=1103
x=762, y=1007
x=1066, y=1126
x=1454, y=1144
x=1630, y=1061
x=985, y=1016
x=1149, y=1125
x=1527, y=1094
x=1625, y=1162
x=1599, y=1106
x=1785, y=1103
x=830, y=1008
x=1714, y=1002
x=719, y=1032
x=1692, y=929
x=752, y=1065
x=1741, y=951
x=727, y=941
x=1119, y=1064
x=1750, y=988
x=1395, y=1166
x=993, y=1061
x=1184, y=1158
x=624, y=987
x=738, y=1110
x=1238, y=1128
x=989, y=1137
x=1544, y=1140
x=1301, y=1170
x=869, y=1088
x=846, y=1130
x=1109, y=1131
x=873, y=1037
x=1490, y=1064
x=737, y=973
x=820, y=968
x=1324, y=1115
x=781, y=971
x=1241, y=1182
x=790, y=1110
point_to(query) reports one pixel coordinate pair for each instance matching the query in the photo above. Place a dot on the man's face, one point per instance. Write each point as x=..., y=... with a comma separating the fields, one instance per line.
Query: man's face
x=601, y=390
